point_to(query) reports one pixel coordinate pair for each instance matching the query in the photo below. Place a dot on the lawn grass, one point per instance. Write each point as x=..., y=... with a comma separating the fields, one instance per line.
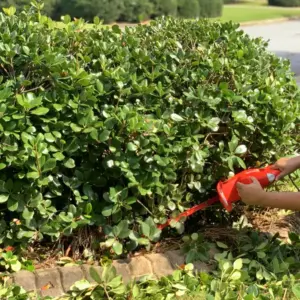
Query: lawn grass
x=253, y=2
x=239, y=13
x=256, y=10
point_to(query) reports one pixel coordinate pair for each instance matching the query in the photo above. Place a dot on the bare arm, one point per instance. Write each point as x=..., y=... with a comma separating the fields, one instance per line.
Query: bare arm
x=284, y=200
x=287, y=166
x=253, y=194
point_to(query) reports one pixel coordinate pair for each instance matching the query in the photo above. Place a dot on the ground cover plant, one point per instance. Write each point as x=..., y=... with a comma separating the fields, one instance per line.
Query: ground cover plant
x=251, y=267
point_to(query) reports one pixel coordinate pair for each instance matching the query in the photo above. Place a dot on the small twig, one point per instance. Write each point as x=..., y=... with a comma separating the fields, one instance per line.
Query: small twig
x=31, y=90
x=106, y=292
x=68, y=250
x=147, y=209
x=293, y=182
x=214, y=133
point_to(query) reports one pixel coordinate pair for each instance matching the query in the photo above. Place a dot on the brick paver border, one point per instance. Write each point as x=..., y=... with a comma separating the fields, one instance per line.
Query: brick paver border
x=59, y=280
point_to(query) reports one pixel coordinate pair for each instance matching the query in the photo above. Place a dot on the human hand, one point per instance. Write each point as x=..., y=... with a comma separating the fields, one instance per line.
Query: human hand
x=286, y=166
x=252, y=193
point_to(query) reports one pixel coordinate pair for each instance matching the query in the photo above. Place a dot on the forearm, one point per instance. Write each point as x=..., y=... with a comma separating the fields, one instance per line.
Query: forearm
x=297, y=161
x=288, y=200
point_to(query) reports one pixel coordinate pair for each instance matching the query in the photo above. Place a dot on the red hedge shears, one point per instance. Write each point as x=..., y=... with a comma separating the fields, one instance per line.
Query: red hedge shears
x=227, y=191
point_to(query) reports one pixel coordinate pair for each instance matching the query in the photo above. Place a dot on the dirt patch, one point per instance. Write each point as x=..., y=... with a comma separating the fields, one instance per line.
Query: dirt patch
x=274, y=221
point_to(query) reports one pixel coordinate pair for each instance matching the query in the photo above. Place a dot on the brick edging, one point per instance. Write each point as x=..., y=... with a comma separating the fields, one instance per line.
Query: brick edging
x=55, y=282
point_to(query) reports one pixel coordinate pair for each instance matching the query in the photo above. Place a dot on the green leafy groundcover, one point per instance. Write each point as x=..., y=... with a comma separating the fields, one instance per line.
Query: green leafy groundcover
x=252, y=268
x=109, y=128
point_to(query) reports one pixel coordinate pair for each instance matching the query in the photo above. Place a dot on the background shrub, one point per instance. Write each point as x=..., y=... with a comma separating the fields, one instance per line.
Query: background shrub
x=210, y=8
x=287, y=3
x=231, y=1
x=106, y=128
x=165, y=8
x=124, y=10
x=188, y=9
x=135, y=11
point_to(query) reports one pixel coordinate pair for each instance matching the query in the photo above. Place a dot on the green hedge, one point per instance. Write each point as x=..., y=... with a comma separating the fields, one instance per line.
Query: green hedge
x=188, y=9
x=210, y=8
x=165, y=8
x=231, y=1
x=107, y=128
x=286, y=3
x=126, y=10
x=135, y=11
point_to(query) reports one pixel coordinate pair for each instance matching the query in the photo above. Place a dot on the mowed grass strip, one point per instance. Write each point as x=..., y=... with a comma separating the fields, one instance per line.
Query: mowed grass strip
x=240, y=13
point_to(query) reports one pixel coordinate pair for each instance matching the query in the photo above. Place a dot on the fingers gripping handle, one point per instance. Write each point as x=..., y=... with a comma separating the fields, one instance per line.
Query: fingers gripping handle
x=228, y=192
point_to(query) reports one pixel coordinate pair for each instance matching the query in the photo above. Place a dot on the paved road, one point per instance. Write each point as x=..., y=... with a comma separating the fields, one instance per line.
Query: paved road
x=284, y=40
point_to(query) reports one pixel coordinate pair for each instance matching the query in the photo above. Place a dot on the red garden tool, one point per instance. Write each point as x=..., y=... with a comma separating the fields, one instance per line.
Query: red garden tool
x=227, y=191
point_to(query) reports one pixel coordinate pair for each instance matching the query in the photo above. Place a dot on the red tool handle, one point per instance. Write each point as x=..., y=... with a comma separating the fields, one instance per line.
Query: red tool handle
x=228, y=192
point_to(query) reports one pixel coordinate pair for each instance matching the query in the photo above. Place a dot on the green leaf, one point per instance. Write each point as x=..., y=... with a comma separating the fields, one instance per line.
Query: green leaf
x=131, y=147
x=296, y=290
x=213, y=124
x=109, y=273
x=49, y=137
x=27, y=215
x=49, y=165
x=2, y=166
x=104, y=136
x=33, y=175
x=135, y=291
x=143, y=241
x=233, y=143
x=241, y=162
x=131, y=200
x=242, y=149
x=117, y=247
x=107, y=211
x=94, y=274
x=123, y=231
x=70, y=163
x=145, y=229
x=116, y=29
x=238, y=264
x=222, y=245
x=66, y=19
x=26, y=51
x=195, y=236
x=9, y=11
x=16, y=266
x=80, y=285
x=3, y=198
x=96, y=20
x=88, y=208
x=226, y=266
x=59, y=156
x=176, y=118
x=236, y=276
x=12, y=204
x=40, y=111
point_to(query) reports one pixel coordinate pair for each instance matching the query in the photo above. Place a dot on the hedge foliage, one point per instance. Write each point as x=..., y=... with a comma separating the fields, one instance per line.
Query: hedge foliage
x=210, y=8
x=121, y=129
x=286, y=3
x=231, y=1
x=126, y=10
